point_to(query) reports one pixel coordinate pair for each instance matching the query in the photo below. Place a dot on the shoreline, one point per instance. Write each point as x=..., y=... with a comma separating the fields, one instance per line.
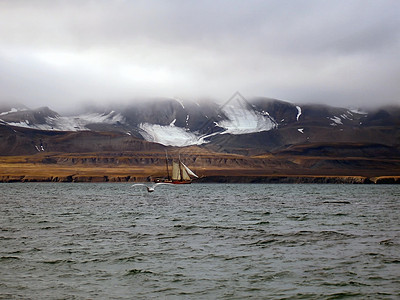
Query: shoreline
x=291, y=179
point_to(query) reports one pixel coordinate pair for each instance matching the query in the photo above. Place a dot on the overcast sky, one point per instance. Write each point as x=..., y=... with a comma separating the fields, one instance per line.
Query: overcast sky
x=60, y=53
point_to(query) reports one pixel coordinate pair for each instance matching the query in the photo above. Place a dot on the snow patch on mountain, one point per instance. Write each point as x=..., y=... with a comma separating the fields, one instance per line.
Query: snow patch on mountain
x=241, y=120
x=298, y=112
x=9, y=112
x=173, y=123
x=110, y=118
x=264, y=113
x=74, y=123
x=180, y=102
x=348, y=116
x=26, y=124
x=169, y=135
x=337, y=120
x=187, y=120
x=358, y=111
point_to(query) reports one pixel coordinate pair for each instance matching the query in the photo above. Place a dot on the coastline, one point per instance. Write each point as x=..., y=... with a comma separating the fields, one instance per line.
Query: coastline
x=292, y=179
x=227, y=168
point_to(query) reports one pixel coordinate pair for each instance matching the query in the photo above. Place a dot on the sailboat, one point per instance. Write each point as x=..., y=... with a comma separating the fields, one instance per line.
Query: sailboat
x=181, y=174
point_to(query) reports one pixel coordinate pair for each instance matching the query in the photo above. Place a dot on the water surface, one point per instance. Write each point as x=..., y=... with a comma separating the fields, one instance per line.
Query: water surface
x=199, y=241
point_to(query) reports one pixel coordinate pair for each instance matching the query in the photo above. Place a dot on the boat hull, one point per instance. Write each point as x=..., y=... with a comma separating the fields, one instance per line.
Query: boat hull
x=181, y=181
x=177, y=181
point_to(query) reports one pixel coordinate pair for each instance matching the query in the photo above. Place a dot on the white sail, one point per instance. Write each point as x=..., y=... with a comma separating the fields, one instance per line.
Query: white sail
x=190, y=172
x=184, y=174
x=176, y=172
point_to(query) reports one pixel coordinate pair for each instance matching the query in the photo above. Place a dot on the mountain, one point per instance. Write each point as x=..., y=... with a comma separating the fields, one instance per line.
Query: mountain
x=255, y=140
x=260, y=125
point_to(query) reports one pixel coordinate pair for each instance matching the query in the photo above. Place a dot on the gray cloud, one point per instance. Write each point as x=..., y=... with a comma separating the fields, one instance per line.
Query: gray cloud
x=59, y=53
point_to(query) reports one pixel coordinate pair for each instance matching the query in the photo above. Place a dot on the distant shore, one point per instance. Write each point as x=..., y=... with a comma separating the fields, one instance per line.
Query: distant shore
x=211, y=168
x=211, y=179
x=303, y=179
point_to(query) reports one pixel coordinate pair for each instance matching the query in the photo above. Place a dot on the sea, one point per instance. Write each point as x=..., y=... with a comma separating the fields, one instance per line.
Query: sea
x=199, y=241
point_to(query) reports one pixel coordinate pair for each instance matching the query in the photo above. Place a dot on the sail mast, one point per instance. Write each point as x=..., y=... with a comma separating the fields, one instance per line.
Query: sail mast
x=166, y=163
x=181, y=171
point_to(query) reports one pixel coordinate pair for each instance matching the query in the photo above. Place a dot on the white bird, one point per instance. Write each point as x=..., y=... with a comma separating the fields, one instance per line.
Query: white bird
x=151, y=188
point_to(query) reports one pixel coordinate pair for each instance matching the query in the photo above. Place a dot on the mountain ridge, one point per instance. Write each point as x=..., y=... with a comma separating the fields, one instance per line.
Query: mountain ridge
x=261, y=137
x=264, y=123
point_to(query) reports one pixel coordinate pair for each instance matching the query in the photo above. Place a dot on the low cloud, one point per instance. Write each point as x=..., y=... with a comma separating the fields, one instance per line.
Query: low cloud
x=60, y=53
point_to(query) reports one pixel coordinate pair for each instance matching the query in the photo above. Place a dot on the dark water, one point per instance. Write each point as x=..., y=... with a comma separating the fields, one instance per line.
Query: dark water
x=111, y=241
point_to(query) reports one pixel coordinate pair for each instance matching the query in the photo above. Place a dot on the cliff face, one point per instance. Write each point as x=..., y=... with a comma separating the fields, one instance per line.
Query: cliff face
x=210, y=166
x=213, y=179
